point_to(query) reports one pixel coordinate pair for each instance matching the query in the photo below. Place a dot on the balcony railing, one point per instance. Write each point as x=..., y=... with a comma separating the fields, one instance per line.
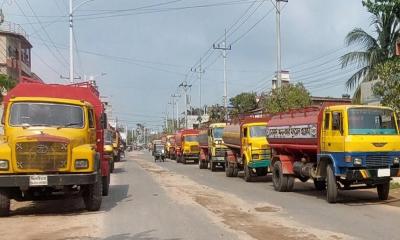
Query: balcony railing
x=11, y=27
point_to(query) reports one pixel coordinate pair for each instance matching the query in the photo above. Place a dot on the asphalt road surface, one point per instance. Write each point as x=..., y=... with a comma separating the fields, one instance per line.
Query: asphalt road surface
x=166, y=200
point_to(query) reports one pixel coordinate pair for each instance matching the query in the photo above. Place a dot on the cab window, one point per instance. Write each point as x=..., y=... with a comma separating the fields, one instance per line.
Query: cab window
x=91, y=118
x=327, y=121
x=337, y=121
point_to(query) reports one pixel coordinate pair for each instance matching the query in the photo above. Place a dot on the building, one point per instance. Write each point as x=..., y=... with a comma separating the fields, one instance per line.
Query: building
x=367, y=95
x=15, y=51
x=285, y=78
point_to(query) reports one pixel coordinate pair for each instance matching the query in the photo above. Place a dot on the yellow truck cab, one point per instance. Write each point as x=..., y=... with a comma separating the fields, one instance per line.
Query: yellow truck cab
x=187, y=145
x=212, y=148
x=109, y=148
x=248, y=148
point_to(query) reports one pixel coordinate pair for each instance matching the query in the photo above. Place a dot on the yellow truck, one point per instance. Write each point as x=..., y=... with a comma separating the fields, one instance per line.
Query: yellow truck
x=54, y=143
x=187, y=146
x=339, y=147
x=248, y=149
x=170, y=146
x=212, y=148
x=109, y=148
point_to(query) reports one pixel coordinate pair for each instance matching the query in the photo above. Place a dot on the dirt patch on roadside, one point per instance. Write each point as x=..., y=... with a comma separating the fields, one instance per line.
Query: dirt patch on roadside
x=249, y=221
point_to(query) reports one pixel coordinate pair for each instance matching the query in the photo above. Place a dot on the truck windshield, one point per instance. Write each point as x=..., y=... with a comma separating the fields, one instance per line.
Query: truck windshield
x=46, y=114
x=190, y=138
x=365, y=121
x=217, y=132
x=159, y=147
x=258, y=131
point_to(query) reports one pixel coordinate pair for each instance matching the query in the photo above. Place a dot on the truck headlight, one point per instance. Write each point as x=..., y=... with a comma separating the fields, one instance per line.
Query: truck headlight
x=162, y=151
x=3, y=164
x=357, y=161
x=81, y=163
x=255, y=156
x=396, y=161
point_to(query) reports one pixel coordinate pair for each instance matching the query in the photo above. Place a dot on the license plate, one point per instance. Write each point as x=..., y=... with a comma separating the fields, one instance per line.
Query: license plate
x=38, y=180
x=384, y=172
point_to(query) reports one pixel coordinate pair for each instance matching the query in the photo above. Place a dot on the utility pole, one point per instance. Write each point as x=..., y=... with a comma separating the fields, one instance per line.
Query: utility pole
x=185, y=87
x=71, y=46
x=224, y=48
x=175, y=102
x=278, y=42
x=200, y=71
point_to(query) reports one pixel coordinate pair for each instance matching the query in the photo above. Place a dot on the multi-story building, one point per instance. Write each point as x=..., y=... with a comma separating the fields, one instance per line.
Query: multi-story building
x=15, y=51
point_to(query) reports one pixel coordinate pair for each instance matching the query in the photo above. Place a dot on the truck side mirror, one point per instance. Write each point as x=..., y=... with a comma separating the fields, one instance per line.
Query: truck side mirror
x=103, y=120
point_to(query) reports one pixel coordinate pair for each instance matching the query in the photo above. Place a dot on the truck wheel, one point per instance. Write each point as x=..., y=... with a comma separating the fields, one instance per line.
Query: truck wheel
x=278, y=179
x=92, y=195
x=320, y=185
x=331, y=185
x=4, y=204
x=106, y=185
x=383, y=191
x=183, y=159
x=213, y=166
x=248, y=175
x=228, y=169
x=235, y=170
x=290, y=183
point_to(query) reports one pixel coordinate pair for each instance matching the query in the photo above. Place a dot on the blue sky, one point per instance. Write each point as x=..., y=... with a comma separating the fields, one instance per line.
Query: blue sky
x=146, y=53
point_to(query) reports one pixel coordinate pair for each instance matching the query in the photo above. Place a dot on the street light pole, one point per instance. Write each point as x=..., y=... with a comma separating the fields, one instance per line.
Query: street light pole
x=278, y=42
x=71, y=38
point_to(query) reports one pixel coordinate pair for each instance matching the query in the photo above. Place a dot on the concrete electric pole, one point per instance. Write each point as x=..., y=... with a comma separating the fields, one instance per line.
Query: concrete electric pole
x=224, y=48
x=278, y=42
x=200, y=71
x=185, y=88
x=175, y=102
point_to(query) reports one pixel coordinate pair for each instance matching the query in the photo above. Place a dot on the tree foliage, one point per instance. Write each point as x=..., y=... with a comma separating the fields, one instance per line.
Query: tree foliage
x=388, y=88
x=375, y=48
x=288, y=97
x=6, y=83
x=216, y=113
x=243, y=103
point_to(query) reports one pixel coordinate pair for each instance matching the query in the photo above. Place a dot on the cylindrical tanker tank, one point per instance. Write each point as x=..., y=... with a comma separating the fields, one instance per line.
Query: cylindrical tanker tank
x=231, y=136
x=295, y=130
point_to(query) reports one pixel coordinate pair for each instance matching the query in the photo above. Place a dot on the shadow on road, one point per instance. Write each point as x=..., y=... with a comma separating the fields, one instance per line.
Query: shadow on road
x=119, y=170
x=72, y=205
x=146, y=235
x=360, y=197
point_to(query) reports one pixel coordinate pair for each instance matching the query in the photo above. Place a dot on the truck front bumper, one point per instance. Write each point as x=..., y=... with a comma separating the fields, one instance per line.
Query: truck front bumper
x=52, y=179
x=259, y=163
x=371, y=174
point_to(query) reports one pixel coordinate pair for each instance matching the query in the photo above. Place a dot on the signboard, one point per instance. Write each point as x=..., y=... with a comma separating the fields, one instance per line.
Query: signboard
x=296, y=131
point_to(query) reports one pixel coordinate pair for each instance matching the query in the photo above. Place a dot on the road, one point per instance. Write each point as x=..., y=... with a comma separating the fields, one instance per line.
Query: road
x=167, y=200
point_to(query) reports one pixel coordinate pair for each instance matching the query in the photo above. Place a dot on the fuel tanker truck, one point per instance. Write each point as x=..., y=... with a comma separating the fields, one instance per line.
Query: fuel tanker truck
x=338, y=147
x=248, y=149
x=53, y=144
x=212, y=149
x=187, y=146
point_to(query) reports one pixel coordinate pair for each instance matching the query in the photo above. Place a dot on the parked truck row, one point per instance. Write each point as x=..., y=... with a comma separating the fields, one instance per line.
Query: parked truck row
x=337, y=146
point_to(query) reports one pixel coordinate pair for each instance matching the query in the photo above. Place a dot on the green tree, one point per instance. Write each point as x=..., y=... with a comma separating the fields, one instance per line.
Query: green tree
x=243, y=103
x=6, y=83
x=388, y=88
x=288, y=97
x=376, y=48
x=216, y=113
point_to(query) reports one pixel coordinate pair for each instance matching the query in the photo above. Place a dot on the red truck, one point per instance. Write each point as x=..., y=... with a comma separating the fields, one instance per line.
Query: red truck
x=187, y=146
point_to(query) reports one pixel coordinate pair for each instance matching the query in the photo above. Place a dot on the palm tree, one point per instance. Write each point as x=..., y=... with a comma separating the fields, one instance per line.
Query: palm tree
x=375, y=50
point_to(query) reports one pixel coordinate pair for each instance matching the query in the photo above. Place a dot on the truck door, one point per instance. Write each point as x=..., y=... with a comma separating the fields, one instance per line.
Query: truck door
x=244, y=140
x=326, y=126
x=335, y=137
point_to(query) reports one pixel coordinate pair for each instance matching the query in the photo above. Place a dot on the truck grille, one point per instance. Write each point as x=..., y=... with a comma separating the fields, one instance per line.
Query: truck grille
x=194, y=148
x=43, y=156
x=378, y=161
x=220, y=152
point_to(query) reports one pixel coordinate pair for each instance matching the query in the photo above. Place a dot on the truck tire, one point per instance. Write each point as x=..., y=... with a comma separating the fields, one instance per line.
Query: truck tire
x=248, y=175
x=383, y=191
x=92, y=195
x=235, y=170
x=183, y=160
x=4, y=204
x=279, y=180
x=106, y=185
x=178, y=159
x=320, y=185
x=213, y=166
x=331, y=185
x=290, y=183
x=228, y=169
